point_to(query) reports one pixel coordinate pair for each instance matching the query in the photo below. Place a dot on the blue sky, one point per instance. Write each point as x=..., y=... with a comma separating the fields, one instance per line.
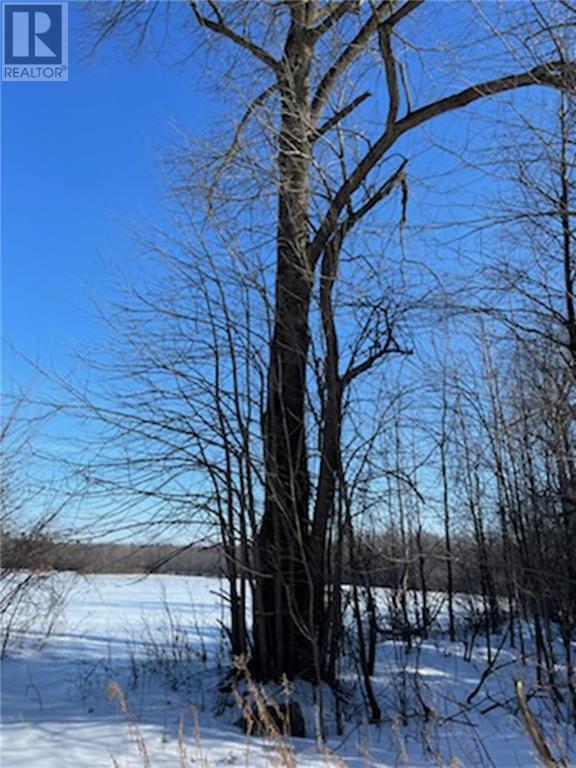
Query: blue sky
x=80, y=166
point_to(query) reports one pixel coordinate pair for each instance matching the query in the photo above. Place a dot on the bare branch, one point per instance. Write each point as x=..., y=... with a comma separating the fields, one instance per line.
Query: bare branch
x=356, y=46
x=382, y=192
x=220, y=27
x=341, y=9
x=233, y=148
x=555, y=74
x=390, y=346
x=341, y=114
x=385, y=43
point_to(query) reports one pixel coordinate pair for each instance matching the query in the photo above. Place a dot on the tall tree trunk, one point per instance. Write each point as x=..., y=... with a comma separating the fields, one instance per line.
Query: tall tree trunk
x=283, y=636
x=329, y=444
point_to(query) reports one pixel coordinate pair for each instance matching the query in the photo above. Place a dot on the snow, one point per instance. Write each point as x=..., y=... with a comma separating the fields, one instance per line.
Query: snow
x=161, y=640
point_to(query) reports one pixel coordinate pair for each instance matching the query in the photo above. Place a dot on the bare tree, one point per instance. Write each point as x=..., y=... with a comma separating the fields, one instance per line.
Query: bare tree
x=326, y=178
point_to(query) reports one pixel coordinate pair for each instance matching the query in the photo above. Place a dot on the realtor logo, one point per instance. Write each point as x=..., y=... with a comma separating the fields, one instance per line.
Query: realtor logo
x=35, y=38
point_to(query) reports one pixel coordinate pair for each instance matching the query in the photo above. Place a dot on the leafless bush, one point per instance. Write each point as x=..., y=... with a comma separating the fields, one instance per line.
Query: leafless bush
x=170, y=653
x=30, y=600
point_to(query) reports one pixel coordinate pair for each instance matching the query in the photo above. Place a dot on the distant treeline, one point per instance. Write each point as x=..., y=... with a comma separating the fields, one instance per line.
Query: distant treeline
x=43, y=553
x=385, y=559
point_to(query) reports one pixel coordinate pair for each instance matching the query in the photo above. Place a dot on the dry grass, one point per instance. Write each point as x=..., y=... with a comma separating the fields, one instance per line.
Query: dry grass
x=114, y=691
x=262, y=716
x=256, y=708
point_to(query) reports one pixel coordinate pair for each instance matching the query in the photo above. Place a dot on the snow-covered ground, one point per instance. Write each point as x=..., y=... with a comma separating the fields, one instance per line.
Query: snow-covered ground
x=160, y=639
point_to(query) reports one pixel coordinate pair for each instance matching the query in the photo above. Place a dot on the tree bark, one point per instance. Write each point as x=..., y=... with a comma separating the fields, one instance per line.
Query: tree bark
x=283, y=631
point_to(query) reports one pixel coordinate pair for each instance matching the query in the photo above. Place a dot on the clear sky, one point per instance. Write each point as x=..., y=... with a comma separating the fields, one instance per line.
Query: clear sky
x=80, y=166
